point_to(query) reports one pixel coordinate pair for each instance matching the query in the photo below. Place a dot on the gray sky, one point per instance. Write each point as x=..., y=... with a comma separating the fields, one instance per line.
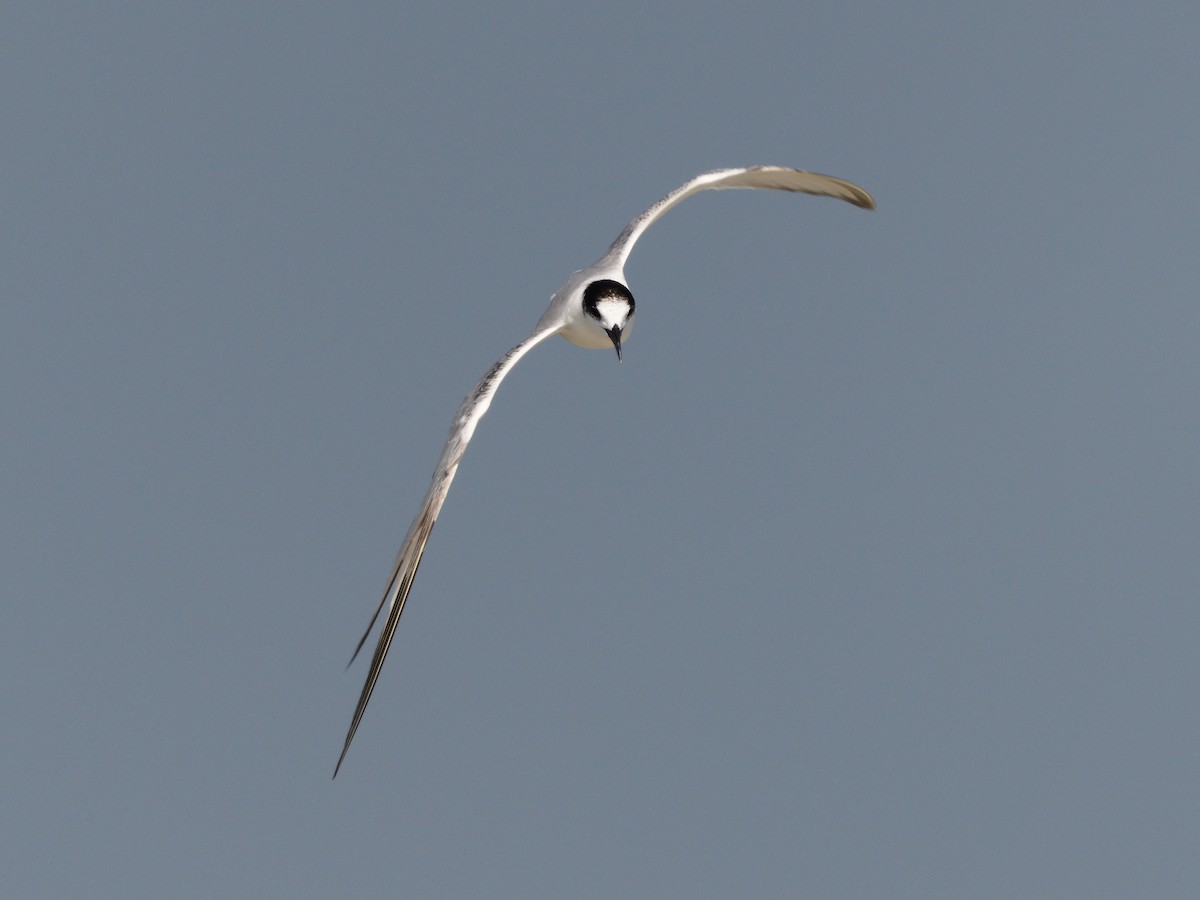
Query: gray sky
x=871, y=571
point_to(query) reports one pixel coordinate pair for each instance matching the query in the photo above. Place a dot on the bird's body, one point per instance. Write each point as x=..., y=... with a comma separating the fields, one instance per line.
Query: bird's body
x=593, y=309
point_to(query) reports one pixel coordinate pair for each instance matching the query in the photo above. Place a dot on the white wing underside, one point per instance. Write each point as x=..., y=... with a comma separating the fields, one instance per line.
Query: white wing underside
x=404, y=569
x=777, y=178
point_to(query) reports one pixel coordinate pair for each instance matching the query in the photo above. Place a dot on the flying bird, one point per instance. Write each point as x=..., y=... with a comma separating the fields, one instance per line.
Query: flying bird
x=593, y=309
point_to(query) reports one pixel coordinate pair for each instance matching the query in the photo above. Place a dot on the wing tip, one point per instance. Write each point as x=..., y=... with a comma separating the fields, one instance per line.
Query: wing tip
x=826, y=185
x=859, y=197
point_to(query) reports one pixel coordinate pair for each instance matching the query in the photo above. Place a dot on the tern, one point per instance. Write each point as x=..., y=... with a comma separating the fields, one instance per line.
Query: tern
x=593, y=309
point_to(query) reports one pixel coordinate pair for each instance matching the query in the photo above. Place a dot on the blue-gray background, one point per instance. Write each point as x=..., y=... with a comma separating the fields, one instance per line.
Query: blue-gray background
x=870, y=572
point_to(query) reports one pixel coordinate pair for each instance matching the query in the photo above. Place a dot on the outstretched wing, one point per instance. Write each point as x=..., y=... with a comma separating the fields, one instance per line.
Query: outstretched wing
x=775, y=178
x=404, y=569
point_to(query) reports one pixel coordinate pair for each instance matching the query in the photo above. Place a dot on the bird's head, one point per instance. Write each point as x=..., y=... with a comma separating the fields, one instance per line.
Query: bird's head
x=609, y=306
